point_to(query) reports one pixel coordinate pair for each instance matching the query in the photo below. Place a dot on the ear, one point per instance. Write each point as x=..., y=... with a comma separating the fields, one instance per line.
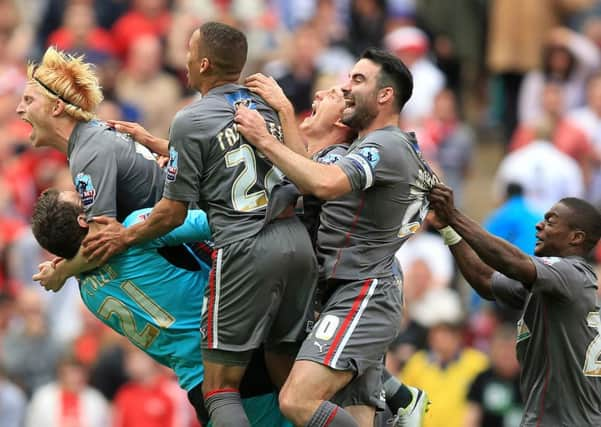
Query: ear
x=577, y=238
x=204, y=65
x=58, y=107
x=385, y=95
x=81, y=220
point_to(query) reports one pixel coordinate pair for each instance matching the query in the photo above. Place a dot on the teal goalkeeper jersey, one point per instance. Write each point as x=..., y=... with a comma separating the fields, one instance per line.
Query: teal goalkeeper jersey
x=156, y=305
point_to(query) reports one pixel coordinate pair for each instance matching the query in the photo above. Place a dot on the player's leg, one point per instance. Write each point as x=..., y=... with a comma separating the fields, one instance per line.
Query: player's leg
x=298, y=273
x=236, y=321
x=350, y=338
x=304, y=397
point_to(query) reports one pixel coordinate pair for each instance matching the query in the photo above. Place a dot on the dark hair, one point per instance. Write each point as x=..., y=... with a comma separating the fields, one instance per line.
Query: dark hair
x=514, y=189
x=551, y=74
x=584, y=217
x=54, y=225
x=393, y=73
x=224, y=46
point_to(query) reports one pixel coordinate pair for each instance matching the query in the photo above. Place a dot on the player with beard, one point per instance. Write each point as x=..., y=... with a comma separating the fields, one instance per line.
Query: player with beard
x=375, y=199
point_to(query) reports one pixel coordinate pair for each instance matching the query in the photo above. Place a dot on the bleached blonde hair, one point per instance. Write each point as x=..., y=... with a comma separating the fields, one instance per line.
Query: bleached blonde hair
x=70, y=79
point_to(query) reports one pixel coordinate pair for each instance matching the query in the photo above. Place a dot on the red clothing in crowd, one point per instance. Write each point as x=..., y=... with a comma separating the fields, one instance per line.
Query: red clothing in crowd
x=134, y=24
x=98, y=39
x=143, y=405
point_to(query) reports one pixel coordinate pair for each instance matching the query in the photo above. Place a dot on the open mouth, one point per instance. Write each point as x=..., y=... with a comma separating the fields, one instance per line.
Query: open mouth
x=313, y=109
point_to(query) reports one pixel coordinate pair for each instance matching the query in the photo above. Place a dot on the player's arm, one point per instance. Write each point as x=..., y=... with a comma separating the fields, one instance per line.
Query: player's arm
x=268, y=89
x=138, y=133
x=326, y=182
x=170, y=212
x=195, y=228
x=493, y=251
x=114, y=238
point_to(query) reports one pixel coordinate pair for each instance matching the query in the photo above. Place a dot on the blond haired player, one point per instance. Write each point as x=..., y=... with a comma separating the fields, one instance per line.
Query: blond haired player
x=112, y=174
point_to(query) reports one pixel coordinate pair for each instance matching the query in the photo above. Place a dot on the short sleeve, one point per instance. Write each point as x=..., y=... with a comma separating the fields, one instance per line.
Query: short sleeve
x=95, y=179
x=376, y=160
x=194, y=229
x=554, y=276
x=185, y=161
x=509, y=292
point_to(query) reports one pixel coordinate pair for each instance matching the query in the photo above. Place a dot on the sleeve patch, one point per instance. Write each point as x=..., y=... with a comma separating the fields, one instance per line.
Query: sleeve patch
x=172, y=165
x=85, y=188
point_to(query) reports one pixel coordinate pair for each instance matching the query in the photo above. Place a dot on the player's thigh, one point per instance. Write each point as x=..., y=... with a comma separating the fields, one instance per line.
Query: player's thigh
x=358, y=323
x=240, y=302
x=297, y=269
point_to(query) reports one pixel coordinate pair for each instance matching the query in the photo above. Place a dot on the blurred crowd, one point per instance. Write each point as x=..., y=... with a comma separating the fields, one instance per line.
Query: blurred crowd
x=524, y=74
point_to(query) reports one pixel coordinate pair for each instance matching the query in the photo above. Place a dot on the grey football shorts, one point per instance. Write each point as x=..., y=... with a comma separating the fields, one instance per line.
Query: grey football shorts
x=358, y=322
x=260, y=290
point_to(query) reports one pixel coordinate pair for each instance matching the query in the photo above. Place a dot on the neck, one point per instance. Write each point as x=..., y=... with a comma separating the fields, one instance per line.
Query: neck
x=60, y=135
x=317, y=142
x=205, y=87
x=381, y=121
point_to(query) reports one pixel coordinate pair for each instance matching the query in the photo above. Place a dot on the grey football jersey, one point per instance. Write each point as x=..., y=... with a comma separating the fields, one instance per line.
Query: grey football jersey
x=558, y=342
x=111, y=176
x=212, y=164
x=361, y=231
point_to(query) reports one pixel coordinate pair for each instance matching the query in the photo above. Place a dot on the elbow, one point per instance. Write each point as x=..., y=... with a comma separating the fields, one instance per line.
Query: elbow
x=331, y=188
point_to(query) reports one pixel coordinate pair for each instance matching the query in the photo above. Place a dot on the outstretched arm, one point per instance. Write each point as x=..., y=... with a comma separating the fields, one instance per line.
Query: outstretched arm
x=138, y=133
x=493, y=251
x=268, y=89
x=476, y=272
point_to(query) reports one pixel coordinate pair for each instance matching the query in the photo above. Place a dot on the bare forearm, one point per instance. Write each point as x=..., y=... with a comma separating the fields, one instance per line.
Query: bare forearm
x=75, y=266
x=495, y=252
x=162, y=220
x=292, y=137
x=311, y=177
x=158, y=145
x=476, y=272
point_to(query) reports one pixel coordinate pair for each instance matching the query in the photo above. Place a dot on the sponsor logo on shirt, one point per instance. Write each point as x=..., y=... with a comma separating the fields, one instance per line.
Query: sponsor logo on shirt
x=371, y=154
x=172, y=165
x=85, y=188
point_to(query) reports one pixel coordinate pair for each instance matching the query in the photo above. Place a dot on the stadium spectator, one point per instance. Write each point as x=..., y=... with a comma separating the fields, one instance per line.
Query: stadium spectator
x=446, y=370
x=12, y=403
x=68, y=401
x=494, y=396
x=29, y=353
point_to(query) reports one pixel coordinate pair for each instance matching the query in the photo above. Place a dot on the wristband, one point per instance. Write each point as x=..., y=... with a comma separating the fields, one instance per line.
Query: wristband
x=450, y=236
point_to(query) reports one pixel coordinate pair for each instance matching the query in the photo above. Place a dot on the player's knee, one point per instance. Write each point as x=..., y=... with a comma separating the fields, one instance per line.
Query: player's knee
x=290, y=402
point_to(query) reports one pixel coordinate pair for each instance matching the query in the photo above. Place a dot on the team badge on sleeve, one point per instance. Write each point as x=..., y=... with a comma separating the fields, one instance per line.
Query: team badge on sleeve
x=371, y=154
x=172, y=165
x=85, y=188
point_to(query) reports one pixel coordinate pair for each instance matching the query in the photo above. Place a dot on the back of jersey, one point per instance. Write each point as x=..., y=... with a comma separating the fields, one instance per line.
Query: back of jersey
x=212, y=164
